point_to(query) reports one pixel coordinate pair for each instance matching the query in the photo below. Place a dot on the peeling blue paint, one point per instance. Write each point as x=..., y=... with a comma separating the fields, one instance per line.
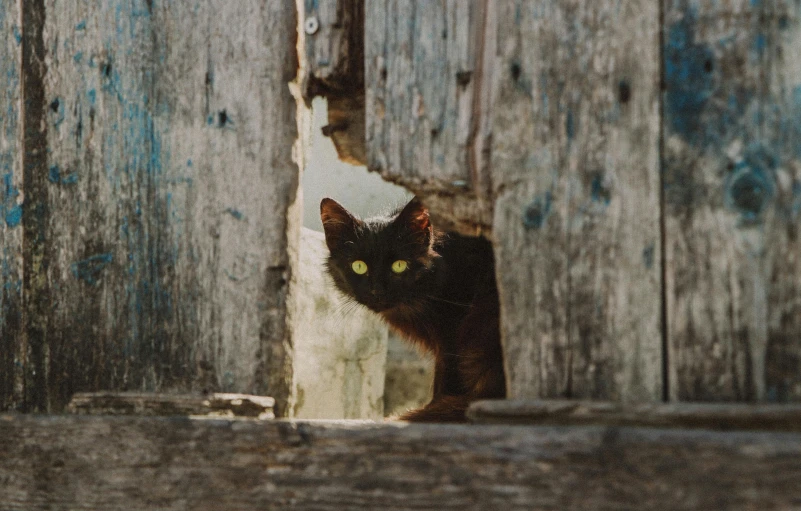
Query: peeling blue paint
x=688, y=76
x=9, y=209
x=81, y=25
x=750, y=187
x=112, y=82
x=14, y=216
x=570, y=125
x=134, y=162
x=235, y=213
x=648, y=256
x=78, y=57
x=760, y=43
x=17, y=34
x=538, y=211
x=54, y=176
x=56, y=112
x=795, y=207
x=224, y=119
x=794, y=119
x=89, y=269
x=598, y=190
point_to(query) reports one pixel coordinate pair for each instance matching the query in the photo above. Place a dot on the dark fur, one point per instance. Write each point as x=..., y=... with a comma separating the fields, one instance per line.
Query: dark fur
x=446, y=301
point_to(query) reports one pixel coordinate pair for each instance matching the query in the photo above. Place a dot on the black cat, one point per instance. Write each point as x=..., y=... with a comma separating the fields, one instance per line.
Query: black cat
x=436, y=289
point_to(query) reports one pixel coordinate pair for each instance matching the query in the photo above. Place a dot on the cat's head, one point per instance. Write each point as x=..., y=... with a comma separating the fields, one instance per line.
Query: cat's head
x=381, y=262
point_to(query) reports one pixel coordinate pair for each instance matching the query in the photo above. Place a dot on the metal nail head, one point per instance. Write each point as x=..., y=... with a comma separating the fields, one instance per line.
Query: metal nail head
x=311, y=25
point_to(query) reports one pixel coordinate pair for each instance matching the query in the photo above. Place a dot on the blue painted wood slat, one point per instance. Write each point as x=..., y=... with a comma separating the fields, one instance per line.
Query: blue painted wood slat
x=160, y=186
x=732, y=184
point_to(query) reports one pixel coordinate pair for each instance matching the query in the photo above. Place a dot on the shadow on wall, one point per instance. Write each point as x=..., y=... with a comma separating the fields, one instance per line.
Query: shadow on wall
x=347, y=367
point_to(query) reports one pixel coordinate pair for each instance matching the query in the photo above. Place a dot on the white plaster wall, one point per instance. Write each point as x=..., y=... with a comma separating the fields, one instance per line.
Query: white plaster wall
x=361, y=192
x=340, y=350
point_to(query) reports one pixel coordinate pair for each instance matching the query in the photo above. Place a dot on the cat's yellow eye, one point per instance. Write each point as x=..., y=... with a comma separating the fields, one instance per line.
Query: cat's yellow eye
x=399, y=266
x=359, y=267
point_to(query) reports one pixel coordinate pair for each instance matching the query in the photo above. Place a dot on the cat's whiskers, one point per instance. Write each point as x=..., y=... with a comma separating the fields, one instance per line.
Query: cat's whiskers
x=447, y=301
x=346, y=308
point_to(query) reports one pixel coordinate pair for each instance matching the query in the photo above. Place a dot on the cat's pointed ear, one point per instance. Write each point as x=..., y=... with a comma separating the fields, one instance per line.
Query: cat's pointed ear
x=337, y=222
x=414, y=217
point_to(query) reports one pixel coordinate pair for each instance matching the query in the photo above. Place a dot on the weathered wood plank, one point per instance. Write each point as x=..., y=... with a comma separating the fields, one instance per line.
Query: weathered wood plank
x=114, y=463
x=333, y=40
x=150, y=404
x=732, y=164
x=165, y=198
x=714, y=416
x=575, y=151
x=427, y=98
x=11, y=342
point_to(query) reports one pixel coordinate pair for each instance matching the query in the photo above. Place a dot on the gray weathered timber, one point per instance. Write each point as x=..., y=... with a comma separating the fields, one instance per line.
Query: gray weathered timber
x=428, y=102
x=714, y=416
x=333, y=39
x=152, y=404
x=157, y=225
x=732, y=167
x=575, y=154
x=11, y=340
x=114, y=463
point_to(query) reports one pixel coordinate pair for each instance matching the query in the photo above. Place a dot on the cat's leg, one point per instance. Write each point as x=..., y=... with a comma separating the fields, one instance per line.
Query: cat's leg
x=480, y=361
x=447, y=380
x=440, y=409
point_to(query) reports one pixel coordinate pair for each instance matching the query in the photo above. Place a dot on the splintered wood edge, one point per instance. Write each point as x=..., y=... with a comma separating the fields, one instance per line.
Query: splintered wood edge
x=154, y=404
x=714, y=416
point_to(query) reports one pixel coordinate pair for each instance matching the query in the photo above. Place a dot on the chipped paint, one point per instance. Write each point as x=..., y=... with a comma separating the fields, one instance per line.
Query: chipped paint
x=689, y=80
x=10, y=209
x=538, y=211
x=648, y=256
x=750, y=187
x=90, y=269
x=235, y=213
x=599, y=189
x=54, y=176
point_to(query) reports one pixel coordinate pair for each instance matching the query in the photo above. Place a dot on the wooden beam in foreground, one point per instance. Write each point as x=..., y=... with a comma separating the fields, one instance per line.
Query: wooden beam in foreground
x=150, y=463
x=713, y=416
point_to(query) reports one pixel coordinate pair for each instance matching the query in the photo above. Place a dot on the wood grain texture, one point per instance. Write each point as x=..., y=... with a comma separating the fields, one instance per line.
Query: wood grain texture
x=114, y=463
x=575, y=156
x=426, y=100
x=732, y=166
x=11, y=340
x=152, y=404
x=333, y=40
x=157, y=225
x=712, y=416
